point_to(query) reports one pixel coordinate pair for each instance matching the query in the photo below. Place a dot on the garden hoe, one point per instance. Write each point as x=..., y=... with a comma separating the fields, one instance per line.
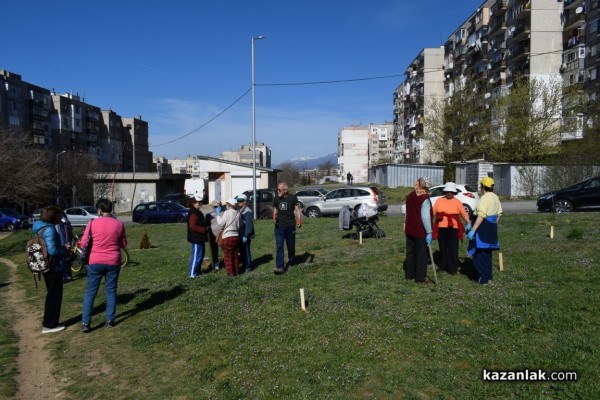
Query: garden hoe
x=432, y=265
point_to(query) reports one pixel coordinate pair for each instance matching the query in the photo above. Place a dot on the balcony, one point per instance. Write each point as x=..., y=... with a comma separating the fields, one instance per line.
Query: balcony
x=520, y=51
x=519, y=31
x=575, y=21
x=501, y=4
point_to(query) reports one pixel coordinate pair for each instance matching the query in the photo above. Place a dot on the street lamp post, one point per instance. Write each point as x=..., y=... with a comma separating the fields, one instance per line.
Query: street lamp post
x=254, y=202
x=57, y=195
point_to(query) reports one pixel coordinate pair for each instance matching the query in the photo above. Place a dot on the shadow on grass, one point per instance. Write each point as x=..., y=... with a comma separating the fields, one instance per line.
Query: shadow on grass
x=264, y=259
x=467, y=268
x=154, y=300
x=306, y=258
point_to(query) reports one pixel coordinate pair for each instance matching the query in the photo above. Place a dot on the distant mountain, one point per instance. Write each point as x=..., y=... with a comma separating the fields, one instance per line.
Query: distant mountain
x=312, y=162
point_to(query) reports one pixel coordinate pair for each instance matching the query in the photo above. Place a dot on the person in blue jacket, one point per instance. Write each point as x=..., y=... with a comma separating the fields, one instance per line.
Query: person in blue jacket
x=245, y=232
x=49, y=217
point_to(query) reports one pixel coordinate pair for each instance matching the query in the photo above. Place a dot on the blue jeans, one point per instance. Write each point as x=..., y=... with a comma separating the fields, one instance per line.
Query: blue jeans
x=287, y=233
x=95, y=272
x=246, y=255
x=196, y=259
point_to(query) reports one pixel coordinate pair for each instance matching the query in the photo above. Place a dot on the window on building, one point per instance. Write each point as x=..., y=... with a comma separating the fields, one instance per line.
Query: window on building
x=14, y=120
x=593, y=74
x=594, y=26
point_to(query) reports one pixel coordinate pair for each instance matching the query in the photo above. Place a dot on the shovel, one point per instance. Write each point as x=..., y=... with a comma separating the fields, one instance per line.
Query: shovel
x=432, y=265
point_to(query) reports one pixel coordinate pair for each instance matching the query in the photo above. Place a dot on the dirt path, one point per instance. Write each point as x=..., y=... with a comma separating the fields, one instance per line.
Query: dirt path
x=34, y=378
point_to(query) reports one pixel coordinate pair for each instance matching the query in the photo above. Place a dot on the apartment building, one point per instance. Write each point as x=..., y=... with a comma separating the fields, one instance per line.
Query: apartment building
x=381, y=143
x=500, y=42
x=591, y=10
x=245, y=155
x=353, y=152
x=424, y=83
x=138, y=155
x=61, y=122
x=25, y=107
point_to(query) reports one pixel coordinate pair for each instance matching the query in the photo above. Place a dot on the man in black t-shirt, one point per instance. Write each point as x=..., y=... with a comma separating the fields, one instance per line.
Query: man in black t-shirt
x=287, y=217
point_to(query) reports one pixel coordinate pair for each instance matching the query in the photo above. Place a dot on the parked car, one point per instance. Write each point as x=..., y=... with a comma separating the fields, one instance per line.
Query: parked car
x=307, y=194
x=266, y=202
x=81, y=215
x=180, y=198
x=159, y=211
x=36, y=214
x=353, y=197
x=582, y=195
x=11, y=220
x=467, y=195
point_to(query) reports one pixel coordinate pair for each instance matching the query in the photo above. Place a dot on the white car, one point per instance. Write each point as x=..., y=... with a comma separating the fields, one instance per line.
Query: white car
x=80, y=216
x=466, y=194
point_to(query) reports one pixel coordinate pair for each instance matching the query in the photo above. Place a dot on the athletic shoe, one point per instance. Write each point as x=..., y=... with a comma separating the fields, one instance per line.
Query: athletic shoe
x=110, y=324
x=85, y=328
x=55, y=329
x=279, y=271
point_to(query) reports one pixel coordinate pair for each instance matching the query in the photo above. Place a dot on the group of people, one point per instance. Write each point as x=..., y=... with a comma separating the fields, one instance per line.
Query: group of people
x=425, y=223
x=232, y=225
x=106, y=236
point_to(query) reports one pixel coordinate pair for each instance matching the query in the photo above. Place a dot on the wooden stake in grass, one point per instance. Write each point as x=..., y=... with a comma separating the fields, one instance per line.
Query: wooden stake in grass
x=552, y=232
x=500, y=262
x=302, y=303
x=360, y=237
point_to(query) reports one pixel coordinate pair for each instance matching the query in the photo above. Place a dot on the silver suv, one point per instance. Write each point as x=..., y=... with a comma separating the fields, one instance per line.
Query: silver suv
x=352, y=197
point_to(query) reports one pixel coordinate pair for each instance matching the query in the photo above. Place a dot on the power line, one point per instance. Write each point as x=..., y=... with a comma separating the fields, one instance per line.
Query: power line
x=330, y=82
x=206, y=123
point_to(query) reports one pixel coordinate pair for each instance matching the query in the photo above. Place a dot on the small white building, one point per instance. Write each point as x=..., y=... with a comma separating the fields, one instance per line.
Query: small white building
x=225, y=180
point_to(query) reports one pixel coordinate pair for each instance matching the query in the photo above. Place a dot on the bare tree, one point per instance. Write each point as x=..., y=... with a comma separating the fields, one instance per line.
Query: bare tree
x=27, y=173
x=326, y=166
x=289, y=173
x=76, y=177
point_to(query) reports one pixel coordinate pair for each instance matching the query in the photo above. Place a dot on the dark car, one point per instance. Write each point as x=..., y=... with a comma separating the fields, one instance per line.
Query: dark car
x=582, y=195
x=266, y=202
x=180, y=198
x=159, y=211
x=11, y=220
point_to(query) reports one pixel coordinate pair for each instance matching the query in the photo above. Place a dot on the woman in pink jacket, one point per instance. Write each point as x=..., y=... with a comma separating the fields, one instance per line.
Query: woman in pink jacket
x=108, y=237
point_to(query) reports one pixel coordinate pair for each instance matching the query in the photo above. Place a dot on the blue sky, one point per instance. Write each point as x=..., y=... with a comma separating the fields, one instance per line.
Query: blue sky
x=180, y=63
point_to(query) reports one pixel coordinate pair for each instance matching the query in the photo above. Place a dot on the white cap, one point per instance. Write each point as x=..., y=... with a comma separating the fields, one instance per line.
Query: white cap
x=232, y=201
x=450, y=187
x=197, y=197
x=242, y=197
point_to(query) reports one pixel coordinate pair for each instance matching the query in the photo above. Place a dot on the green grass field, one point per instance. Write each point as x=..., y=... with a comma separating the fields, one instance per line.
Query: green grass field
x=366, y=332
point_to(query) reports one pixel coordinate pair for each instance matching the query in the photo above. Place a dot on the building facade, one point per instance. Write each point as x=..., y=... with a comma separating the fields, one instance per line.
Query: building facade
x=353, y=152
x=245, y=155
x=500, y=42
x=65, y=122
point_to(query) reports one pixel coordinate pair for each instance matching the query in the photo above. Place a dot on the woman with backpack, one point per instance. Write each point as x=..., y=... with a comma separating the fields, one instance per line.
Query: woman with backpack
x=49, y=217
